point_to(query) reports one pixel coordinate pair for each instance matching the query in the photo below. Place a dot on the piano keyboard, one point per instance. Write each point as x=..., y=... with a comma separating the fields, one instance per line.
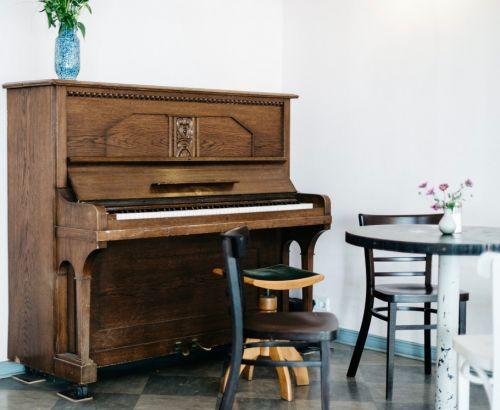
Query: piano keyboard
x=245, y=209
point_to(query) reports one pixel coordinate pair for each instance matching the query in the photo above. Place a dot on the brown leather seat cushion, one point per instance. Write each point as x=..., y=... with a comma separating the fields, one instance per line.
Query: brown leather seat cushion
x=411, y=292
x=306, y=326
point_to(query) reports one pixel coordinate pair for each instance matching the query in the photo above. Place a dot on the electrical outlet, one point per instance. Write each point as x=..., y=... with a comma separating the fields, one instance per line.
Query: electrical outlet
x=322, y=304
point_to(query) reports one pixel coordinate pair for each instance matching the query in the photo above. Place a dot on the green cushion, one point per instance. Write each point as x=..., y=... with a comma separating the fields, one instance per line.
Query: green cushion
x=278, y=272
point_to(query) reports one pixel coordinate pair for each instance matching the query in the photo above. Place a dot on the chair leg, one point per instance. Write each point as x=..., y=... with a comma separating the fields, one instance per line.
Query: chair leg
x=227, y=401
x=285, y=381
x=427, y=340
x=463, y=384
x=462, y=318
x=325, y=375
x=362, y=335
x=301, y=373
x=391, y=338
x=250, y=354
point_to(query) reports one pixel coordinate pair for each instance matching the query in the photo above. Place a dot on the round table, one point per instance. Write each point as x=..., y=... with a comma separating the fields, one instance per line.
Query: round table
x=427, y=239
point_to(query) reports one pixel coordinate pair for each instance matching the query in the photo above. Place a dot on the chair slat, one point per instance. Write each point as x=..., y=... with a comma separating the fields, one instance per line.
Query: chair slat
x=399, y=259
x=393, y=274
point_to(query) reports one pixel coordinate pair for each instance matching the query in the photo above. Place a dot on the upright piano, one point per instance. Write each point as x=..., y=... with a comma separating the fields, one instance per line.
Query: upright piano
x=117, y=196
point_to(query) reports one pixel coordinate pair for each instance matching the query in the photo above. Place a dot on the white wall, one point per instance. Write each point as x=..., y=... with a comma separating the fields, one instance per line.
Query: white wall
x=196, y=43
x=393, y=92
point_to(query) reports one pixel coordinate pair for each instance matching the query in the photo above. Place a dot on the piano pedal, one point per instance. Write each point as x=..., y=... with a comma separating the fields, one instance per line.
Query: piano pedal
x=197, y=344
x=76, y=394
x=31, y=376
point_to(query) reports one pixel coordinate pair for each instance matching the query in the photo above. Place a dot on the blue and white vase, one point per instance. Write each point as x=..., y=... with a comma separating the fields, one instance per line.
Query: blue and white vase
x=67, y=54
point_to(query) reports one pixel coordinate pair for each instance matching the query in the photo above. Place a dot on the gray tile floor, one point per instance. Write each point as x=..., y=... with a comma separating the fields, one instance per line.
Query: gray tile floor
x=191, y=384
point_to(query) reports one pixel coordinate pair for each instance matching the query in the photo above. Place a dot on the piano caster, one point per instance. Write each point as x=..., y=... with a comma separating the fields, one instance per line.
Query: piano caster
x=76, y=394
x=31, y=376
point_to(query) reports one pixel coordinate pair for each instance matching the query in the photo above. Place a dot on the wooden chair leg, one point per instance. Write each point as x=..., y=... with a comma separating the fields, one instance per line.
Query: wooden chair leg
x=250, y=354
x=301, y=373
x=391, y=336
x=263, y=352
x=284, y=378
x=325, y=375
x=248, y=372
x=462, y=318
x=362, y=335
x=427, y=340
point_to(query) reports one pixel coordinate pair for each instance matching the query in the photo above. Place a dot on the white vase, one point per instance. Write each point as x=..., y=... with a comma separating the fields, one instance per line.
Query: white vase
x=447, y=224
x=457, y=217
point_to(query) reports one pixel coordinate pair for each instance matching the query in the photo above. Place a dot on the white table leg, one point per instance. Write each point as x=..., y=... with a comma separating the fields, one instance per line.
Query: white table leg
x=447, y=327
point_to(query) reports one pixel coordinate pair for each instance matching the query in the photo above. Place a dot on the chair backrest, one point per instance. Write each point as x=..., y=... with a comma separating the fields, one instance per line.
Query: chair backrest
x=370, y=260
x=234, y=244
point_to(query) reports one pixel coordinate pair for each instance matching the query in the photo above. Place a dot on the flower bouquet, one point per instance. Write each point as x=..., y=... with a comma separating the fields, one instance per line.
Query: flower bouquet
x=448, y=200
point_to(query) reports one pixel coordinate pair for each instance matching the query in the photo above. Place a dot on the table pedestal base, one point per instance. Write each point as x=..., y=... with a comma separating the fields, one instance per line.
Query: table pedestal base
x=447, y=327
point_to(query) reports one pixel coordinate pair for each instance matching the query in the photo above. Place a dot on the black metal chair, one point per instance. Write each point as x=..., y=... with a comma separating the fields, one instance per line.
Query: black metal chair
x=278, y=329
x=394, y=293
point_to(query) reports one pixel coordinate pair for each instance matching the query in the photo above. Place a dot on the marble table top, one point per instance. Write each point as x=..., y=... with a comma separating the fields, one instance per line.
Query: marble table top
x=427, y=239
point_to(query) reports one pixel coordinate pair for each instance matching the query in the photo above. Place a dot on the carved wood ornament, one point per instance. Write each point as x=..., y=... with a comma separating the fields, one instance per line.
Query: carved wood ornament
x=184, y=138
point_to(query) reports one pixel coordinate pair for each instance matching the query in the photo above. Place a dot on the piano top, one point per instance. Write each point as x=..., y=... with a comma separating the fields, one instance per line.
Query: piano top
x=94, y=84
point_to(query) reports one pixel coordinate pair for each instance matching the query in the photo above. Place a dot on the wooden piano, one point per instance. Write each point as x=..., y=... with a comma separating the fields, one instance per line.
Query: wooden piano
x=117, y=195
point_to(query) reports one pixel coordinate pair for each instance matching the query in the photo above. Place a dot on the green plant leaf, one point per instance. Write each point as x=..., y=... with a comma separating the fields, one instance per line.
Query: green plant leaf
x=82, y=28
x=65, y=12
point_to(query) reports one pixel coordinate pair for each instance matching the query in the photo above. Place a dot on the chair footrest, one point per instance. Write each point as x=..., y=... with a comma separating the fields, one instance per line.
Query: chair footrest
x=375, y=311
x=276, y=343
x=275, y=363
x=416, y=327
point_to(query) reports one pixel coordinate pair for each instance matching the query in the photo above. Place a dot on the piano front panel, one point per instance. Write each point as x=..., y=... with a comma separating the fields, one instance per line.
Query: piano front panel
x=148, y=294
x=123, y=124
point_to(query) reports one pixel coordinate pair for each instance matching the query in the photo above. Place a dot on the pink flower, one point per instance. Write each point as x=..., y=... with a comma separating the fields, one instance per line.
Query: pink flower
x=430, y=191
x=436, y=206
x=423, y=185
x=443, y=187
x=469, y=183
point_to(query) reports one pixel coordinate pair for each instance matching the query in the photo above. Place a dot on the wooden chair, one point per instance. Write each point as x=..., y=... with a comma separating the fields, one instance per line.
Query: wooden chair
x=276, y=278
x=273, y=330
x=395, y=293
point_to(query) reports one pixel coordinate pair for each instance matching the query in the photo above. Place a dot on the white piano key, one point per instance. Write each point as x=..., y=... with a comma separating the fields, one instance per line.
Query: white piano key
x=212, y=211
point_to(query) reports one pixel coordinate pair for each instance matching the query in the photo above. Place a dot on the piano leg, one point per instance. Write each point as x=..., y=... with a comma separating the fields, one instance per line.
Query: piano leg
x=284, y=295
x=307, y=257
x=307, y=243
x=83, y=317
x=72, y=359
x=306, y=239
